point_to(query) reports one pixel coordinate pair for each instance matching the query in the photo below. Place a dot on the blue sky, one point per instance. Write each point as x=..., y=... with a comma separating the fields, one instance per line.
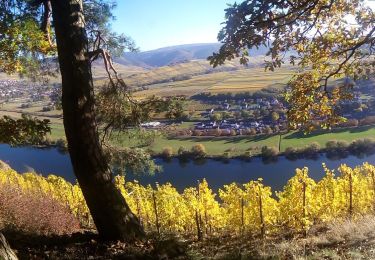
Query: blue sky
x=159, y=23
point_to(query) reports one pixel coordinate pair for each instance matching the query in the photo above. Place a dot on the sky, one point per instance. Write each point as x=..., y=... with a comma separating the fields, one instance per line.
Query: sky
x=155, y=24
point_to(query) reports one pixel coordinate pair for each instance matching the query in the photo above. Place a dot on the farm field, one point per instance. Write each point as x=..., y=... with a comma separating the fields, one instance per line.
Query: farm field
x=242, y=80
x=198, y=80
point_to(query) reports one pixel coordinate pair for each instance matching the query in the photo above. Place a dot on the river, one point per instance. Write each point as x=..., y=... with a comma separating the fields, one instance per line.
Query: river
x=181, y=175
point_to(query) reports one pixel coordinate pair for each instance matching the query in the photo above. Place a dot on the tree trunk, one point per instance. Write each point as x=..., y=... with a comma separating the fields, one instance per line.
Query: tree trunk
x=110, y=212
x=6, y=253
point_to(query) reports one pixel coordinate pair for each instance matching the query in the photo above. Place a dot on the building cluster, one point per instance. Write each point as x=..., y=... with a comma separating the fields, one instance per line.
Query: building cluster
x=239, y=124
x=245, y=105
x=11, y=89
x=241, y=127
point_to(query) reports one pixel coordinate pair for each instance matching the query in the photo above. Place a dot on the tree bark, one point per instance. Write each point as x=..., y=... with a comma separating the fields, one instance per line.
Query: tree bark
x=111, y=214
x=6, y=253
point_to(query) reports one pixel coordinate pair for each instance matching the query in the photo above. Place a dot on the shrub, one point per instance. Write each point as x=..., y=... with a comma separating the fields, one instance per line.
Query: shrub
x=226, y=157
x=48, y=141
x=291, y=153
x=246, y=131
x=276, y=129
x=47, y=108
x=247, y=155
x=35, y=213
x=337, y=149
x=217, y=132
x=312, y=149
x=62, y=143
x=197, y=133
x=334, y=146
x=268, y=130
x=183, y=153
x=368, y=120
x=331, y=145
x=253, y=131
x=167, y=153
x=362, y=146
x=231, y=150
x=350, y=123
x=198, y=151
x=233, y=132
x=26, y=105
x=254, y=149
x=269, y=152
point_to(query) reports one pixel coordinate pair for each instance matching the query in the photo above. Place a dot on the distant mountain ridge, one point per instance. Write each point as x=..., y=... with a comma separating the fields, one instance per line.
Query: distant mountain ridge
x=175, y=54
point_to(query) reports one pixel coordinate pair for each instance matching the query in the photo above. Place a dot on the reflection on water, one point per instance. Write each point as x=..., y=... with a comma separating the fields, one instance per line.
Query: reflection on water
x=44, y=161
x=186, y=173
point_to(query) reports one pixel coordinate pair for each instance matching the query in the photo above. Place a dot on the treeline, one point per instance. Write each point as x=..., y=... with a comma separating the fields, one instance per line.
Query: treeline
x=352, y=122
x=221, y=97
x=251, y=208
x=334, y=149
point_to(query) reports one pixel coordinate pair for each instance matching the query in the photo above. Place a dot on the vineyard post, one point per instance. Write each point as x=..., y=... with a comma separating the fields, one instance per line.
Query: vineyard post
x=304, y=208
x=262, y=225
x=242, y=216
x=139, y=210
x=350, y=195
x=205, y=220
x=146, y=222
x=156, y=213
x=205, y=216
x=88, y=219
x=198, y=217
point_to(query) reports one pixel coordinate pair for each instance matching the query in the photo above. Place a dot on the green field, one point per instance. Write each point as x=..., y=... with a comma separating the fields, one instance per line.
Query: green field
x=216, y=146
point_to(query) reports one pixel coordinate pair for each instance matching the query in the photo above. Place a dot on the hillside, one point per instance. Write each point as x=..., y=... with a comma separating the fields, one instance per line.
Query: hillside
x=98, y=71
x=175, y=54
x=239, y=80
x=183, y=71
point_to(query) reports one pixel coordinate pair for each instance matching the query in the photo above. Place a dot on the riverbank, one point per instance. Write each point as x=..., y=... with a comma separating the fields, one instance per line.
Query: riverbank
x=184, y=173
x=333, y=149
x=238, y=145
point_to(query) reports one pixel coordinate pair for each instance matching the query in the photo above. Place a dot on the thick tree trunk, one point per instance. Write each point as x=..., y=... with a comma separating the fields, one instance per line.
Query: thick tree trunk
x=111, y=214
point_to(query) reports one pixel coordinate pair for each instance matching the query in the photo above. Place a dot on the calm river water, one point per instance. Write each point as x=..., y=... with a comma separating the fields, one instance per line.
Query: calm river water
x=217, y=173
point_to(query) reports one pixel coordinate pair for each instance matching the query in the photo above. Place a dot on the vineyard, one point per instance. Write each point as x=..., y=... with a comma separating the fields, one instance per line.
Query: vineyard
x=251, y=208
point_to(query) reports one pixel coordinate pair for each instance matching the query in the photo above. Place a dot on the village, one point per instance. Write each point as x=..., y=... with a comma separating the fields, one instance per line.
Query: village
x=244, y=117
x=14, y=89
x=250, y=115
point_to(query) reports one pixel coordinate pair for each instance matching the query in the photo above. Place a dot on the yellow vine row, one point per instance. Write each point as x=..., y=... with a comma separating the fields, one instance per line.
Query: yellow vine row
x=250, y=208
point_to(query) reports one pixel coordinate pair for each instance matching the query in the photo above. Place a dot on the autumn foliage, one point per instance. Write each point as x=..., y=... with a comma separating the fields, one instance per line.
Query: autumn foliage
x=53, y=205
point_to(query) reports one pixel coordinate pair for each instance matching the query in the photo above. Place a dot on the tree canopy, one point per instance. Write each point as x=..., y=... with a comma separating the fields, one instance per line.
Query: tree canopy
x=326, y=39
